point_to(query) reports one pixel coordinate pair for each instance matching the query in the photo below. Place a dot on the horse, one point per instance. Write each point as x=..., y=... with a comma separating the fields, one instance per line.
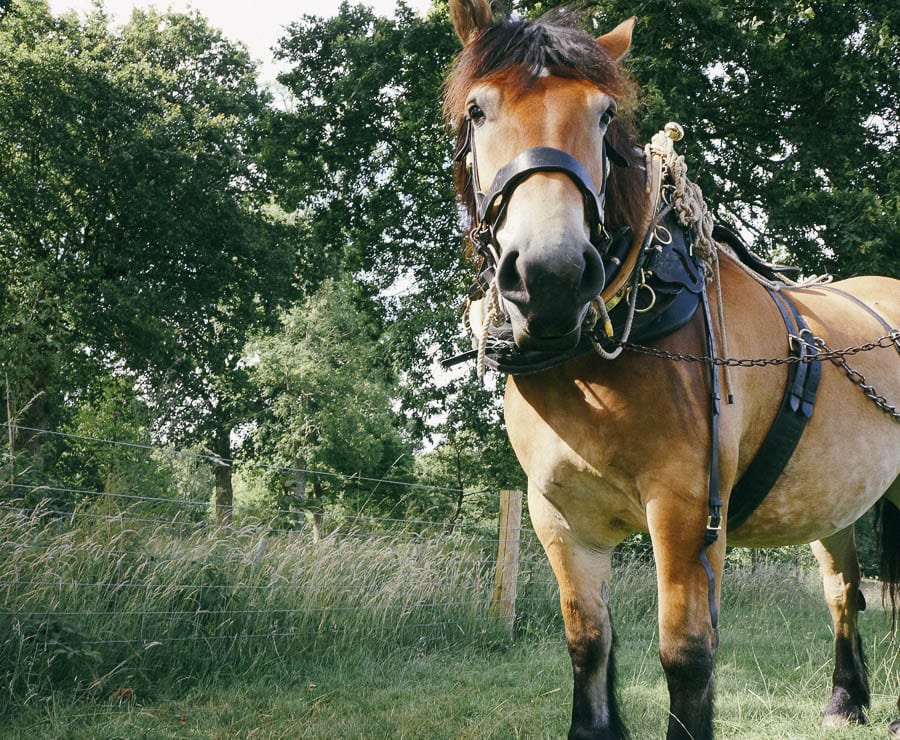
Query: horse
x=607, y=303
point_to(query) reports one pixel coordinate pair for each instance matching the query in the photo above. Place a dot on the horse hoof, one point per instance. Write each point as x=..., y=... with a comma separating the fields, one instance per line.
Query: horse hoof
x=855, y=716
x=894, y=730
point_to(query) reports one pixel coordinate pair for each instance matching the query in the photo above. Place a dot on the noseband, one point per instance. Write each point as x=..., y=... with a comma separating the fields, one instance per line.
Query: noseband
x=490, y=207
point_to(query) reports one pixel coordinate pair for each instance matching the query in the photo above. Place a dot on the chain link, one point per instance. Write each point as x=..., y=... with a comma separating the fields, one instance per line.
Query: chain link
x=860, y=380
x=817, y=354
x=819, y=351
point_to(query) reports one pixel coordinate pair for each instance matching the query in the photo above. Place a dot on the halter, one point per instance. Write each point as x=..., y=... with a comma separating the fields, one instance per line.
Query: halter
x=490, y=207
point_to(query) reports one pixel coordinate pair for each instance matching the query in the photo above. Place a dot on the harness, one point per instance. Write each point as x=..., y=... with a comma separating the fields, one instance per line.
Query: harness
x=654, y=286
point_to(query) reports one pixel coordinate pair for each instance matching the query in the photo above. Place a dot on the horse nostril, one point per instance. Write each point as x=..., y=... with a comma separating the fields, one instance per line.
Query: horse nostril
x=593, y=279
x=509, y=281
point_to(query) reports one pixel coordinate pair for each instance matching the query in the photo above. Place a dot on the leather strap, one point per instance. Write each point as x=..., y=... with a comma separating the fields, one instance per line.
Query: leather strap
x=543, y=159
x=714, y=520
x=796, y=409
x=865, y=307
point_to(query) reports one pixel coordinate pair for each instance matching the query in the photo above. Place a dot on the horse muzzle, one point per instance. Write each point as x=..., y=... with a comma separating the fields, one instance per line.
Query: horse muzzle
x=547, y=293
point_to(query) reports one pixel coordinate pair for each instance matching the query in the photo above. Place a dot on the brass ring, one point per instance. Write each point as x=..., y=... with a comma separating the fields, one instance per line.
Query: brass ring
x=652, y=299
x=656, y=231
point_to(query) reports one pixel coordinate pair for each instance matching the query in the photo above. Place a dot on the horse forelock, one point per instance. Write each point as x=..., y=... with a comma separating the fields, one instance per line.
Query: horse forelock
x=513, y=55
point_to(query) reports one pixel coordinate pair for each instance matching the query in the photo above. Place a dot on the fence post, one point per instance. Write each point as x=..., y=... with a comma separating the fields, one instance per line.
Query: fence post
x=503, y=603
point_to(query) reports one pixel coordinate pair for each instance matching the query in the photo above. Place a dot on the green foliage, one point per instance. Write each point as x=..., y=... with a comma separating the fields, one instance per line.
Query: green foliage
x=132, y=219
x=114, y=413
x=365, y=155
x=326, y=391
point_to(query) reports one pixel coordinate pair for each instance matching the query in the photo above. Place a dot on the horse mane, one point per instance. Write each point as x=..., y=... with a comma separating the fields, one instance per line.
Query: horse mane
x=516, y=53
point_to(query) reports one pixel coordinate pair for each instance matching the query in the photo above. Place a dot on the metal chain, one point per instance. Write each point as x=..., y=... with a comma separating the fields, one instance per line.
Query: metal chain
x=819, y=352
x=816, y=355
x=860, y=380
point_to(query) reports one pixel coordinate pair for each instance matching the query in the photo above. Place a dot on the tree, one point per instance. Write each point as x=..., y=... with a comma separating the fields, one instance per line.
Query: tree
x=47, y=83
x=135, y=215
x=328, y=429
x=366, y=155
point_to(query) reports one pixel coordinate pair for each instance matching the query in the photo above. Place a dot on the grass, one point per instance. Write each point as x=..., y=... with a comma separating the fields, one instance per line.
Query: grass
x=520, y=691
x=366, y=634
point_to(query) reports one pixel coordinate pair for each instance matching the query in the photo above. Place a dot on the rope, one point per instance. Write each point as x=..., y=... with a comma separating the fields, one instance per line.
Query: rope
x=492, y=318
x=688, y=202
x=687, y=197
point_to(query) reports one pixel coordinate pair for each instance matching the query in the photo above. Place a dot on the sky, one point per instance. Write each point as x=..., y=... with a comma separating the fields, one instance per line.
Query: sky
x=258, y=23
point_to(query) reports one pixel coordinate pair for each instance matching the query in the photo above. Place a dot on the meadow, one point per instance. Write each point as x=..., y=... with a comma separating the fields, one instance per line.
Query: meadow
x=127, y=624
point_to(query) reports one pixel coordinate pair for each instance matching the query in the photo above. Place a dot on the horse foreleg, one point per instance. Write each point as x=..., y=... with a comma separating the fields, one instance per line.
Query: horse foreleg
x=840, y=578
x=687, y=638
x=583, y=575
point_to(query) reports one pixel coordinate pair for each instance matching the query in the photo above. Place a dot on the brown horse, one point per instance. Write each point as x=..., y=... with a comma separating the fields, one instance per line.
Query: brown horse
x=614, y=445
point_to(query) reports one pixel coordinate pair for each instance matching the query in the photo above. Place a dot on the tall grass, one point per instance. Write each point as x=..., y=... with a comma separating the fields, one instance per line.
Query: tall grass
x=90, y=602
x=104, y=605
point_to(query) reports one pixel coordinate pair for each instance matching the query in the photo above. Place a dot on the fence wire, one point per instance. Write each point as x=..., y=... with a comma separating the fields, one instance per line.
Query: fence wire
x=97, y=582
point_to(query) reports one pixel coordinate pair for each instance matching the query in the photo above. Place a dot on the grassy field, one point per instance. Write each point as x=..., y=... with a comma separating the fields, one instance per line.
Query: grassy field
x=770, y=685
x=260, y=634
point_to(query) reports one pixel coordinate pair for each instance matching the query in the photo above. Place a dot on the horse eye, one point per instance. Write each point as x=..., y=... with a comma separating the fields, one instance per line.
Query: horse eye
x=476, y=114
x=608, y=115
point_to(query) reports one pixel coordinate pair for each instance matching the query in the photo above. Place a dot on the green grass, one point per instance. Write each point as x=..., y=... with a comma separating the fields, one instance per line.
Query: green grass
x=520, y=691
x=366, y=634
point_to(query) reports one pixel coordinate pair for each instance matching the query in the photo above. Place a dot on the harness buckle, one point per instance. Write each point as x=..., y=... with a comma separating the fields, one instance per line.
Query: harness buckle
x=714, y=522
x=804, y=340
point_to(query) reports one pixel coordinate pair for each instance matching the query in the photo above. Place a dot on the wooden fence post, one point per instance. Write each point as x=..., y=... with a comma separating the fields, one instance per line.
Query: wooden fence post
x=503, y=603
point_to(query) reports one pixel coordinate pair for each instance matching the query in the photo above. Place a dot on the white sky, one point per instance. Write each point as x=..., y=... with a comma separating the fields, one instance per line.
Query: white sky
x=258, y=23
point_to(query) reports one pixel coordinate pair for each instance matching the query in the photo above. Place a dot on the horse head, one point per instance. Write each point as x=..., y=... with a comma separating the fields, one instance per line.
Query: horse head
x=534, y=108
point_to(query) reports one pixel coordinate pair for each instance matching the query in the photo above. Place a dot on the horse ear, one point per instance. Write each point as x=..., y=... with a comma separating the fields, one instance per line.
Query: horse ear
x=617, y=42
x=470, y=17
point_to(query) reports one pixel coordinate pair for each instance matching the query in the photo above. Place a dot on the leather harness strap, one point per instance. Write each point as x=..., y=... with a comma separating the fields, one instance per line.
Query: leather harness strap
x=776, y=449
x=867, y=308
x=714, y=520
x=794, y=413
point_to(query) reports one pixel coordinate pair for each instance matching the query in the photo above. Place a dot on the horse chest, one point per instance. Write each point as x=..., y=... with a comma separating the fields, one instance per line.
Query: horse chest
x=586, y=452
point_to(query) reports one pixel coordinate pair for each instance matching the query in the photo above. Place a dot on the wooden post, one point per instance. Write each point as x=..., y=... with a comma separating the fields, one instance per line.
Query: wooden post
x=503, y=603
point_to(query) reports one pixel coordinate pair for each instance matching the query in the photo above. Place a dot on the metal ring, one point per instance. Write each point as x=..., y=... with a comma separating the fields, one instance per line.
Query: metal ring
x=665, y=193
x=652, y=299
x=656, y=230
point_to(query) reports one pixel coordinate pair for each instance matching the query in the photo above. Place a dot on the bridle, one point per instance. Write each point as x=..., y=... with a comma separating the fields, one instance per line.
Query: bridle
x=490, y=207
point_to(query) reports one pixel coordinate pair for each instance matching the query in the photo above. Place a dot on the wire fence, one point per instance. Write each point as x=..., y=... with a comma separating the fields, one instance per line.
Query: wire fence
x=104, y=587
x=99, y=584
